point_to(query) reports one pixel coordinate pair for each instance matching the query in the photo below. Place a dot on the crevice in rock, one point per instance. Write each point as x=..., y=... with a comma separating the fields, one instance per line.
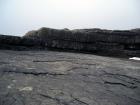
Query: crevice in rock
x=62, y=102
x=78, y=100
x=49, y=60
x=11, y=99
x=130, y=98
x=34, y=73
x=55, y=99
x=121, y=84
x=122, y=75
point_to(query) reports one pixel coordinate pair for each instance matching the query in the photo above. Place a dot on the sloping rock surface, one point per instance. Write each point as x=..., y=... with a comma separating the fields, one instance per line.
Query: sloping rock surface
x=58, y=78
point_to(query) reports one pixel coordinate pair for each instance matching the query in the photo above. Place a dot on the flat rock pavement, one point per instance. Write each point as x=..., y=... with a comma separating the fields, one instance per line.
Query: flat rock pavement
x=62, y=78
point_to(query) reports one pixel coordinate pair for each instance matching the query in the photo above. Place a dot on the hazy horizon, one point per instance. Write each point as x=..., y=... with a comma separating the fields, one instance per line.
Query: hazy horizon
x=19, y=16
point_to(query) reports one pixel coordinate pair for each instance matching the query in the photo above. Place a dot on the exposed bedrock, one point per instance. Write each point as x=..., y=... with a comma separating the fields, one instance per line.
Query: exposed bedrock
x=63, y=78
x=18, y=43
x=107, y=42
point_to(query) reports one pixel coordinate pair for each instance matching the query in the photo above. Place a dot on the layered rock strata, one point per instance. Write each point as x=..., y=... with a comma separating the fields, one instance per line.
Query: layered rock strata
x=107, y=42
x=18, y=43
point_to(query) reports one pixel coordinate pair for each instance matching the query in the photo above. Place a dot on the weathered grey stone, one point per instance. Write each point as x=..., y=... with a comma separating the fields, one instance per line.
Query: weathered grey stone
x=61, y=78
x=86, y=35
x=19, y=43
x=109, y=42
x=92, y=40
x=11, y=40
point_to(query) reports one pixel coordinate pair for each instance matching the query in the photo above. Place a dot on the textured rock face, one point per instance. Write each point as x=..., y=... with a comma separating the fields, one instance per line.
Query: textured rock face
x=13, y=40
x=18, y=43
x=60, y=78
x=106, y=42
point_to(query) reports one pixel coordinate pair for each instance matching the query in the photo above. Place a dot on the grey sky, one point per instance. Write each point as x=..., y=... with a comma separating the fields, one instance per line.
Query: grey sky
x=19, y=16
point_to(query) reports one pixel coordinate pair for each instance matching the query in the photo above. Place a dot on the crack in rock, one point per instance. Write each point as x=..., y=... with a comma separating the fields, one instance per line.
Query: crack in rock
x=34, y=73
x=59, y=101
x=117, y=83
x=78, y=100
x=121, y=75
x=49, y=60
x=126, y=81
x=11, y=99
x=53, y=98
x=131, y=98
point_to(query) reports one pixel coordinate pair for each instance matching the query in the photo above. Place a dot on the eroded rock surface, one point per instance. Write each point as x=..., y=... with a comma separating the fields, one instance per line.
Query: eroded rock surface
x=58, y=78
x=99, y=41
x=122, y=43
x=19, y=43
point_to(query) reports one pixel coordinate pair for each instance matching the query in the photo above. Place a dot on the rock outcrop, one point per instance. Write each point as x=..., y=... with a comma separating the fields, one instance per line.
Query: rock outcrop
x=63, y=78
x=66, y=78
x=98, y=41
x=18, y=43
x=106, y=42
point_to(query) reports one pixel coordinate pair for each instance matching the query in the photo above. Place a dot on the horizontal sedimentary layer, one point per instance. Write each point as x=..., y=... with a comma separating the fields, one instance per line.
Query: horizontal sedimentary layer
x=107, y=42
x=110, y=42
x=87, y=35
x=18, y=43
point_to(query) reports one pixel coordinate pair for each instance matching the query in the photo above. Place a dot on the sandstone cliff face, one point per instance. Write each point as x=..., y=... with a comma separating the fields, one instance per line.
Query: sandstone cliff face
x=108, y=42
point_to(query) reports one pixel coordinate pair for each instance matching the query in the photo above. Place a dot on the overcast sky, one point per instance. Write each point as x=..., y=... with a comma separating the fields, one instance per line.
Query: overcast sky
x=19, y=16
